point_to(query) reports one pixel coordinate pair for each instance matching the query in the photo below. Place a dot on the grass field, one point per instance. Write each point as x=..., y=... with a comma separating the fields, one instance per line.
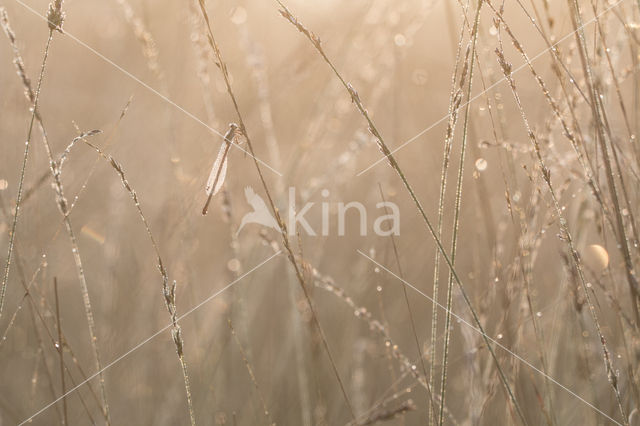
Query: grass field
x=320, y=213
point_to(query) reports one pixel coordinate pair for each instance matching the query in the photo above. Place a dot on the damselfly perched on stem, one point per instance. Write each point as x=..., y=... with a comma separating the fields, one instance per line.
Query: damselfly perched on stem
x=219, y=168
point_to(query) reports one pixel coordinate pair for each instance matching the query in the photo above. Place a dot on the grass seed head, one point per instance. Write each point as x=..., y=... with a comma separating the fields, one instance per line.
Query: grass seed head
x=55, y=15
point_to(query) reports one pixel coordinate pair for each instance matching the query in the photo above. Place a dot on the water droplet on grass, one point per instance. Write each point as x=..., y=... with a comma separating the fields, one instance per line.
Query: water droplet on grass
x=481, y=164
x=595, y=257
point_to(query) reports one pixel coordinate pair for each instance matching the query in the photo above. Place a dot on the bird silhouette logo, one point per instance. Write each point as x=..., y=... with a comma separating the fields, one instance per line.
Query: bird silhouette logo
x=260, y=213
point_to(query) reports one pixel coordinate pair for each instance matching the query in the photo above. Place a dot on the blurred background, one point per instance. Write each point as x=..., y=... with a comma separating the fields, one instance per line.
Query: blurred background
x=144, y=74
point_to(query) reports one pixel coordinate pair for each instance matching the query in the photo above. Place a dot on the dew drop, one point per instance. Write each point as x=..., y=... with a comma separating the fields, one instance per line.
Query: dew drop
x=239, y=15
x=400, y=39
x=481, y=164
x=595, y=257
x=233, y=265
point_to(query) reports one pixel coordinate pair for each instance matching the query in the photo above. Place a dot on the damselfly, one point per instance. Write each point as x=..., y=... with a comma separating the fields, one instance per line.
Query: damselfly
x=219, y=168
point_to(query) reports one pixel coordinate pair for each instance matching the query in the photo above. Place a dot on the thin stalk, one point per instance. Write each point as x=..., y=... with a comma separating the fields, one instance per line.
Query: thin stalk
x=432, y=403
x=25, y=157
x=527, y=277
x=55, y=18
x=281, y=224
x=60, y=348
x=454, y=241
x=395, y=166
x=546, y=176
x=597, y=107
x=63, y=206
x=168, y=290
x=252, y=376
x=455, y=100
x=29, y=288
